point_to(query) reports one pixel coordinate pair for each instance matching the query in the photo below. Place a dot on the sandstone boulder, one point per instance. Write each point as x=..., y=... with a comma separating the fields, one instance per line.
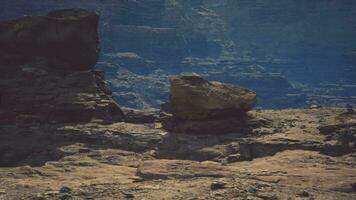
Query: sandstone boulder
x=193, y=98
x=66, y=38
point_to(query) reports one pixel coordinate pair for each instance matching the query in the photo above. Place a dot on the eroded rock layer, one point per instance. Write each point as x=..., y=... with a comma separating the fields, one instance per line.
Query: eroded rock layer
x=47, y=70
x=67, y=38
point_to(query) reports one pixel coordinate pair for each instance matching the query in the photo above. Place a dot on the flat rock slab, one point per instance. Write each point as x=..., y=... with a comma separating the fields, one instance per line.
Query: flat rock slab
x=167, y=169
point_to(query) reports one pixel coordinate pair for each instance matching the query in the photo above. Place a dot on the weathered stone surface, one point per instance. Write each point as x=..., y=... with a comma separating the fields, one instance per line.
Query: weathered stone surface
x=46, y=70
x=170, y=169
x=235, y=124
x=103, y=160
x=67, y=38
x=193, y=98
x=142, y=116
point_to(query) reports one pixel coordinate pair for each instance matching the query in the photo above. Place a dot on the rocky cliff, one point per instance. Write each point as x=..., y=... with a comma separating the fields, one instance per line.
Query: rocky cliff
x=47, y=70
x=268, y=46
x=62, y=135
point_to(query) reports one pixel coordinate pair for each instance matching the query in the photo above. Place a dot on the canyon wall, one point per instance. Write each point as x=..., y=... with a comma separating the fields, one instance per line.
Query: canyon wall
x=293, y=53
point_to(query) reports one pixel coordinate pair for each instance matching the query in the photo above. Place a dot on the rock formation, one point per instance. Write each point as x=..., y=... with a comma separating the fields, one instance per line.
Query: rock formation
x=47, y=70
x=257, y=44
x=62, y=137
x=67, y=36
x=203, y=106
x=193, y=98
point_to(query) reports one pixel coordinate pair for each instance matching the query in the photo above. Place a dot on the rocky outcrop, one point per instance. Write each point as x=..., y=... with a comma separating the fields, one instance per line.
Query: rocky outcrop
x=199, y=105
x=80, y=157
x=123, y=160
x=66, y=38
x=46, y=70
x=193, y=98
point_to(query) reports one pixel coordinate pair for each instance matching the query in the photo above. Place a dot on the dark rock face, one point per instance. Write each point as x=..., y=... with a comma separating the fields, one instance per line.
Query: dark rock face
x=46, y=71
x=68, y=36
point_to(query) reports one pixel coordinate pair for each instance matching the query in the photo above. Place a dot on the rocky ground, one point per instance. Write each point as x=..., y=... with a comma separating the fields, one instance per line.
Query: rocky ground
x=62, y=136
x=287, y=154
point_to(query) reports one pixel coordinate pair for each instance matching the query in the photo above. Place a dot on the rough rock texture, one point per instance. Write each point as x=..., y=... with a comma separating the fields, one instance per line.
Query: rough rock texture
x=282, y=155
x=70, y=36
x=200, y=106
x=193, y=98
x=46, y=70
x=170, y=169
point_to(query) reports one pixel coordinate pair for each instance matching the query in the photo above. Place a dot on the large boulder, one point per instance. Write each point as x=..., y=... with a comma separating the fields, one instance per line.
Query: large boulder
x=66, y=38
x=193, y=98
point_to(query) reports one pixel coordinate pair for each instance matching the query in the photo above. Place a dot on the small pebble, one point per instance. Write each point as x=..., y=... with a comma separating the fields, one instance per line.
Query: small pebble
x=65, y=189
x=251, y=190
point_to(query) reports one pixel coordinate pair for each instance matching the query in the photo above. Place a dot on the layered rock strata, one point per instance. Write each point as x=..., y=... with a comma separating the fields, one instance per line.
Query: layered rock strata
x=47, y=70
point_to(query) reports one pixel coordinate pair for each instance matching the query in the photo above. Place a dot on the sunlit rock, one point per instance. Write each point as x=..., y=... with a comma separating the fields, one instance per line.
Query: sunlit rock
x=193, y=98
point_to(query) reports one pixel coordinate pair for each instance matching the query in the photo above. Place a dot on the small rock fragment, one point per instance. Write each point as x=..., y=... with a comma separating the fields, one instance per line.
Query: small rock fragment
x=303, y=194
x=217, y=185
x=65, y=189
x=128, y=195
x=233, y=158
x=251, y=190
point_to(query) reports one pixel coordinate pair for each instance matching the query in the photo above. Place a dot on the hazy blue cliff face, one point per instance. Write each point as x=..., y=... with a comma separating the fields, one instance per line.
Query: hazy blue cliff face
x=292, y=52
